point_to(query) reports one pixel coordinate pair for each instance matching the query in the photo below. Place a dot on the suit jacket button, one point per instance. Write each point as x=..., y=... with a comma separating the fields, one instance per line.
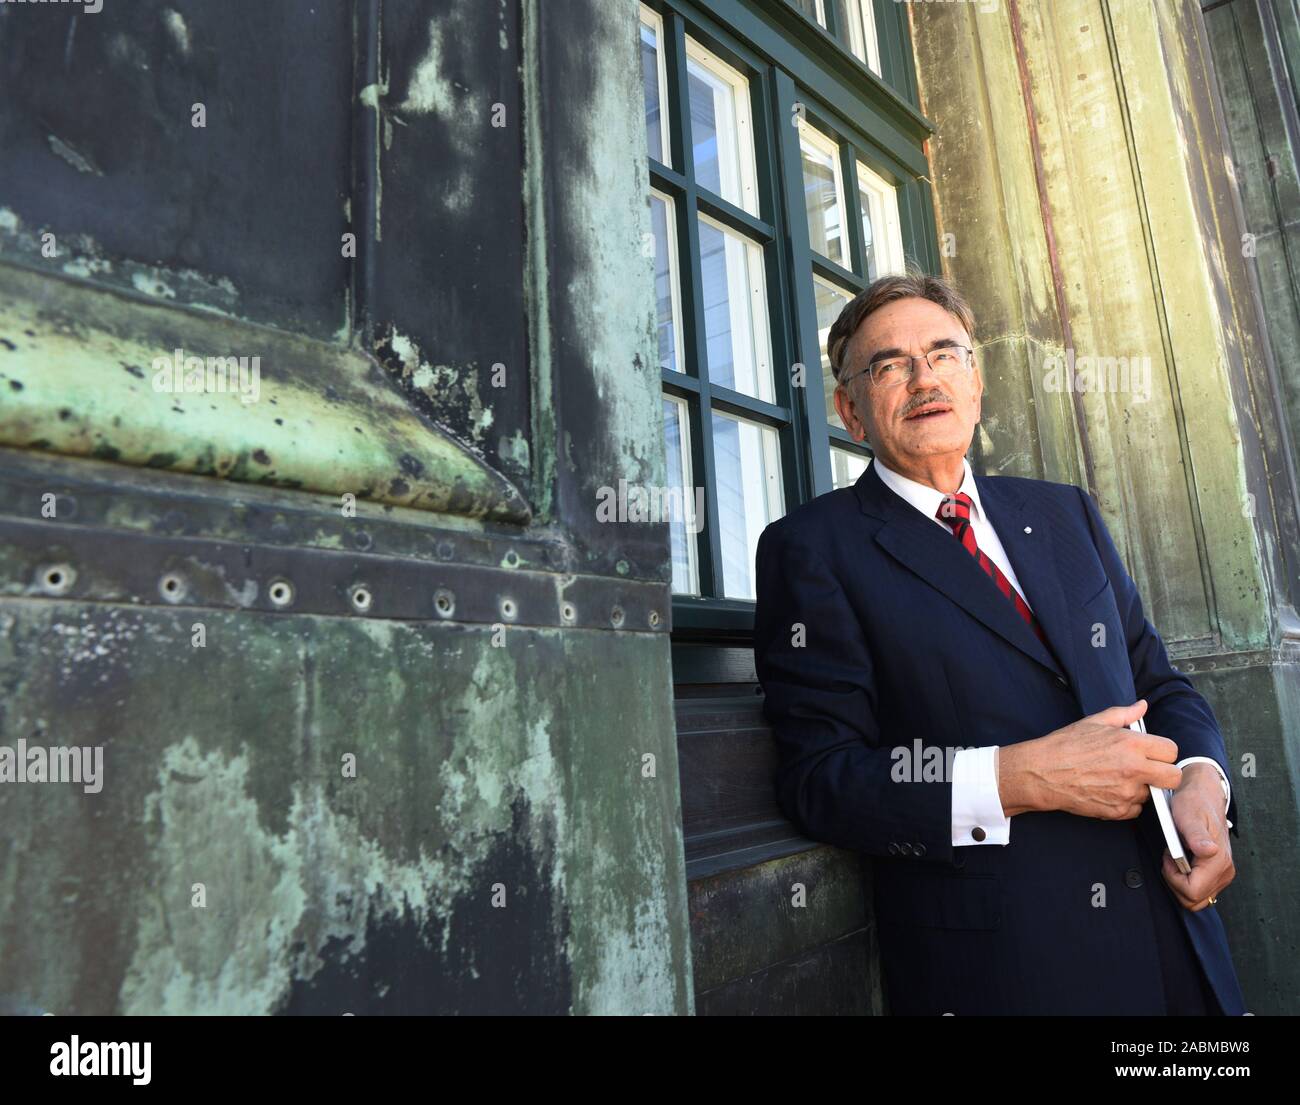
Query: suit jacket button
x=1133, y=878
x=905, y=848
x=918, y=849
x=893, y=848
x=977, y=833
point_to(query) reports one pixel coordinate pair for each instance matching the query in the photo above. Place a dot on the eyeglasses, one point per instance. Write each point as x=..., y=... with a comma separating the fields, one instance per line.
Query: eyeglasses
x=947, y=360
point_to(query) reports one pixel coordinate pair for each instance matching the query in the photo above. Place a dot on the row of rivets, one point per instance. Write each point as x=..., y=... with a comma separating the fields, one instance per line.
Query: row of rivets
x=57, y=580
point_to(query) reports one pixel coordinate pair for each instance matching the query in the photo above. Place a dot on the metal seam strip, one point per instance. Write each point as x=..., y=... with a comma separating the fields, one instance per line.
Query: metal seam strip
x=77, y=563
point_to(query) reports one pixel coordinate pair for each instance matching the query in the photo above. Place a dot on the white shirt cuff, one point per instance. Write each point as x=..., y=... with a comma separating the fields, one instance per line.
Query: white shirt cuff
x=1227, y=787
x=977, y=816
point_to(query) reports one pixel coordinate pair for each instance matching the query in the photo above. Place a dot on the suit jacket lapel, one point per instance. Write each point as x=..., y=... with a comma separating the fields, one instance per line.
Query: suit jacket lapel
x=937, y=557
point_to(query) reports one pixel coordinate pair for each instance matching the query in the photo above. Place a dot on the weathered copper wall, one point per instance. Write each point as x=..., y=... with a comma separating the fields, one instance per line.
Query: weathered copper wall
x=510, y=840
x=1085, y=207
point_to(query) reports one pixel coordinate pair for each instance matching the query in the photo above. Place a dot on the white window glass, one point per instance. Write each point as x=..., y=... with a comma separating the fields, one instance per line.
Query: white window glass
x=830, y=302
x=685, y=516
x=667, y=284
x=746, y=458
x=735, y=311
x=823, y=190
x=721, y=135
x=880, y=229
x=846, y=467
x=858, y=17
x=654, y=79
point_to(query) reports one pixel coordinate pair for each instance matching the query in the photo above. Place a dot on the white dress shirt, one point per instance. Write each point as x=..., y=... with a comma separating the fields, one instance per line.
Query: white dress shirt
x=975, y=799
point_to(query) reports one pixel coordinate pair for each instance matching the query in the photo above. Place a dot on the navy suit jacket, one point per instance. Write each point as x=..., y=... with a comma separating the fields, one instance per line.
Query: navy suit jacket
x=903, y=638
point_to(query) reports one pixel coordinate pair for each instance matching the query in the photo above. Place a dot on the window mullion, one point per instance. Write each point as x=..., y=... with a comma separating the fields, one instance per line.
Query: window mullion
x=853, y=202
x=832, y=23
x=770, y=120
x=708, y=542
x=709, y=539
x=679, y=95
x=789, y=161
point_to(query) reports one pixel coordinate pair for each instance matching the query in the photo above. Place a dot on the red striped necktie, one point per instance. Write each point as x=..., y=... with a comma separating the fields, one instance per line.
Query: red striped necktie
x=954, y=510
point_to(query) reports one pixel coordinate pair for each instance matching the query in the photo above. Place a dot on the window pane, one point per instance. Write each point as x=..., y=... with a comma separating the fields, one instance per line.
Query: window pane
x=830, y=302
x=685, y=523
x=667, y=287
x=735, y=311
x=846, y=467
x=813, y=9
x=748, y=467
x=856, y=20
x=653, y=82
x=823, y=194
x=870, y=217
x=720, y=132
x=880, y=228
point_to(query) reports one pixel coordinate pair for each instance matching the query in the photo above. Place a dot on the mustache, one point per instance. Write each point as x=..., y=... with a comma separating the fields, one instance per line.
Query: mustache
x=915, y=404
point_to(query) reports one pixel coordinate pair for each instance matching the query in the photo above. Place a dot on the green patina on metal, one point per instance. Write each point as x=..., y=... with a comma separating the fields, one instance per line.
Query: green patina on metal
x=489, y=760
x=1125, y=223
x=92, y=373
x=1132, y=251
x=332, y=798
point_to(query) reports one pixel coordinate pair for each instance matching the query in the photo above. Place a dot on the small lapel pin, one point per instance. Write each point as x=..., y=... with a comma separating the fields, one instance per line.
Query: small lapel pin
x=1029, y=529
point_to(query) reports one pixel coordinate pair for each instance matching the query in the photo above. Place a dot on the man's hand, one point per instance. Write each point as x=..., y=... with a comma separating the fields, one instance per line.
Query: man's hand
x=1197, y=807
x=1095, y=767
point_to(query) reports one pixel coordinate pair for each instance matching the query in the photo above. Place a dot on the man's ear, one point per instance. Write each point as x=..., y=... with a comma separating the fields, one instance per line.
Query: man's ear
x=847, y=410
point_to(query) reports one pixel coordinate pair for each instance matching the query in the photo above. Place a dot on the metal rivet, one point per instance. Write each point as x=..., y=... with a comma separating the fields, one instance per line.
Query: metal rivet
x=512, y=558
x=445, y=550
x=281, y=592
x=362, y=540
x=444, y=602
x=567, y=612
x=616, y=616
x=172, y=587
x=361, y=598
x=654, y=617
x=57, y=579
x=508, y=609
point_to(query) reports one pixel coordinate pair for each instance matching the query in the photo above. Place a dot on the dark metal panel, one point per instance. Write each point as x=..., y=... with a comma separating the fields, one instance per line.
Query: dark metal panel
x=728, y=762
x=834, y=980
x=793, y=936
x=712, y=664
x=245, y=214
x=588, y=241
x=444, y=226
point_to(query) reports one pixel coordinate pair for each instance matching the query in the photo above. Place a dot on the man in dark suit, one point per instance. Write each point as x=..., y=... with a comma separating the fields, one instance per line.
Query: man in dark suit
x=951, y=665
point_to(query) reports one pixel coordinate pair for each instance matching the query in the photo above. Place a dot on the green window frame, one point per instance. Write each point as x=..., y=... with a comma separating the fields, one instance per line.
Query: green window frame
x=798, y=74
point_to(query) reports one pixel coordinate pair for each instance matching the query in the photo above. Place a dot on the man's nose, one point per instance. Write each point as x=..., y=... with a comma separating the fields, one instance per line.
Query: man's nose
x=924, y=377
